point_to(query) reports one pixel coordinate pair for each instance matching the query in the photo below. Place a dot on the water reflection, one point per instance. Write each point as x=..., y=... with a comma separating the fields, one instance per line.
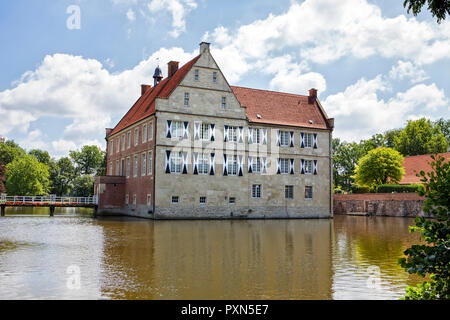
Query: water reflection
x=139, y=259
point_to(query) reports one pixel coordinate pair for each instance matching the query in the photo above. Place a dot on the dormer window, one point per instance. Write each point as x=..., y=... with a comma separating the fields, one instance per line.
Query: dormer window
x=196, y=74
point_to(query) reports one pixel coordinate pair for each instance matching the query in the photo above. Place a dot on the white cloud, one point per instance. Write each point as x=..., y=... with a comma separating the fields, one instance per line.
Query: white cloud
x=406, y=69
x=361, y=113
x=178, y=9
x=131, y=16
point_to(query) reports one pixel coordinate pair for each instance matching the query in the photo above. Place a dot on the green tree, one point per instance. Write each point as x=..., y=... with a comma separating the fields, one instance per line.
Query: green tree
x=62, y=174
x=379, y=166
x=443, y=126
x=41, y=155
x=101, y=171
x=389, y=137
x=2, y=178
x=26, y=176
x=88, y=160
x=83, y=186
x=433, y=258
x=438, y=8
x=420, y=137
x=9, y=151
x=345, y=159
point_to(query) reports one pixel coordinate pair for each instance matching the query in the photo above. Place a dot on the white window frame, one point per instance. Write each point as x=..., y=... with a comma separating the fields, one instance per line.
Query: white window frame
x=117, y=167
x=144, y=133
x=308, y=166
x=136, y=137
x=232, y=200
x=177, y=129
x=176, y=162
x=232, y=134
x=150, y=131
x=286, y=163
x=123, y=142
x=128, y=139
x=205, y=135
x=135, y=165
x=308, y=140
x=284, y=138
x=123, y=171
x=128, y=171
x=150, y=163
x=196, y=75
x=111, y=147
x=232, y=165
x=186, y=99
x=177, y=198
x=203, y=163
x=257, y=191
x=256, y=165
x=256, y=135
x=224, y=103
x=111, y=172
x=203, y=198
x=118, y=145
x=143, y=164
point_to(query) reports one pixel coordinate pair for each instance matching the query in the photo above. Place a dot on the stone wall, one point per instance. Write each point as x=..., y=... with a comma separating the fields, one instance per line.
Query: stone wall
x=379, y=204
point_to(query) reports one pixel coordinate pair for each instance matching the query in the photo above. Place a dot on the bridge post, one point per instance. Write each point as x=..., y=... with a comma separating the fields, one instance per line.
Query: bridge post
x=3, y=209
x=95, y=211
x=52, y=211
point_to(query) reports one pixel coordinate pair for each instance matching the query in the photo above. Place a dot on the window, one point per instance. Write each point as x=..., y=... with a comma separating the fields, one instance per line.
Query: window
x=308, y=166
x=118, y=145
x=117, y=168
x=149, y=200
x=135, y=166
x=232, y=200
x=256, y=136
x=128, y=167
x=224, y=103
x=134, y=199
x=232, y=134
x=284, y=138
x=214, y=77
x=177, y=129
x=175, y=199
x=136, y=136
x=232, y=165
x=308, y=192
x=144, y=164
x=308, y=139
x=289, y=192
x=128, y=139
x=144, y=133
x=175, y=162
x=204, y=131
x=186, y=99
x=203, y=164
x=111, y=169
x=150, y=163
x=196, y=74
x=123, y=142
x=127, y=199
x=256, y=165
x=123, y=168
x=256, y=191
x=202, y=200
x=284, y=165
x=111, y=147
x=150, y=131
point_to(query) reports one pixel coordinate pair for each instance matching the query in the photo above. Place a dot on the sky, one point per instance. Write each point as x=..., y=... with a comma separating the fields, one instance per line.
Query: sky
x=71, y=68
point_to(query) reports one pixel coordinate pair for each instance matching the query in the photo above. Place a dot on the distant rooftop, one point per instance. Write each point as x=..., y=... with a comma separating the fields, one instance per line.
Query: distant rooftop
x=418, y=163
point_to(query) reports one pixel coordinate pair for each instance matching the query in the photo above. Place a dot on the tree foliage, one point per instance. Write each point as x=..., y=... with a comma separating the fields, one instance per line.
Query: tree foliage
x=433, y=258
x=41, y=155
x=438, y=8
x=9, y=151
x=379, y=166
x=88, y=160
x=26, y=176
x=83, y=186
x=62, y=174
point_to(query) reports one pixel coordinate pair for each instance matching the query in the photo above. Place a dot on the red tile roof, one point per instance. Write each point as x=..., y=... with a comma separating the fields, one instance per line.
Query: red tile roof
x=145, y=105
x=272, y=107
x=418, y=163
x=280, y=108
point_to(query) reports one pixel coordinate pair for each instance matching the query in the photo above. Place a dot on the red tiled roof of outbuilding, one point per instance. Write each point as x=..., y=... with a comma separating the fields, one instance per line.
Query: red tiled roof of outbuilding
x=145, y=105
x=418, y=163
x=280, y=108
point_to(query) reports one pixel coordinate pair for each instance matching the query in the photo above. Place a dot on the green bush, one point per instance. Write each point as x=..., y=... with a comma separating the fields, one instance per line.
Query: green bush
x=395, y=188
x=359, y=189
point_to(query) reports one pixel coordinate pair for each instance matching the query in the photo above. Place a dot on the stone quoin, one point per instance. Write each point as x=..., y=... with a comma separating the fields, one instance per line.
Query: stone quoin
x=194, y=147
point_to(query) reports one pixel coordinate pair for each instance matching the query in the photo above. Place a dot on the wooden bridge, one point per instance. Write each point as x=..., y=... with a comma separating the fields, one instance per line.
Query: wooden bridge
x=51, y=202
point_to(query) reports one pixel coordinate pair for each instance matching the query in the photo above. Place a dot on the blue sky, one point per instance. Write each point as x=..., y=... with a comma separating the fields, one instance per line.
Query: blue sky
x=375, y=65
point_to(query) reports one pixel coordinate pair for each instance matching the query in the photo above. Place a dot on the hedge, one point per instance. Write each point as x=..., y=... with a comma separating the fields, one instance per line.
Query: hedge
x=390, y=188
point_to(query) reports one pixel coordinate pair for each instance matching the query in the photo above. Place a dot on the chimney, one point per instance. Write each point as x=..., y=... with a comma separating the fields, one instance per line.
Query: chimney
x=312, y=95
x=144, y=88
x=172, y=67
x=204, y=47
x=108, y=131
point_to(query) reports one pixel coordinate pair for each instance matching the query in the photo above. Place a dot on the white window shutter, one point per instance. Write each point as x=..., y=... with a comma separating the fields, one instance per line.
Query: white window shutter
x=241, y=135
x=278, y=137
x=241, y=165
x=212, y=131
x=212, y=169
x=315, y=140
x=250, y=160
x=278, y=166
x=167, y=161
x=185, y=163
x=225, y=133
x=225, y=165
x=291, y=166
x=169, y=129
x=291, y=139
x=264, y=165
x=197, y=130
x=250, y=135
x=195, y=166
x=315, y=167
x=264, y=136
x=186, y=130
x=302, y=140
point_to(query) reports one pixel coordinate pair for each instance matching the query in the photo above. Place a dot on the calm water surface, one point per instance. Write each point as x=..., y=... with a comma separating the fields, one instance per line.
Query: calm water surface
x=138, y=259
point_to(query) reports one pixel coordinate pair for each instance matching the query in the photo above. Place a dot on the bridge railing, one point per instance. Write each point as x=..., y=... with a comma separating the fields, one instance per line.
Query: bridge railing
x=47, y=200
